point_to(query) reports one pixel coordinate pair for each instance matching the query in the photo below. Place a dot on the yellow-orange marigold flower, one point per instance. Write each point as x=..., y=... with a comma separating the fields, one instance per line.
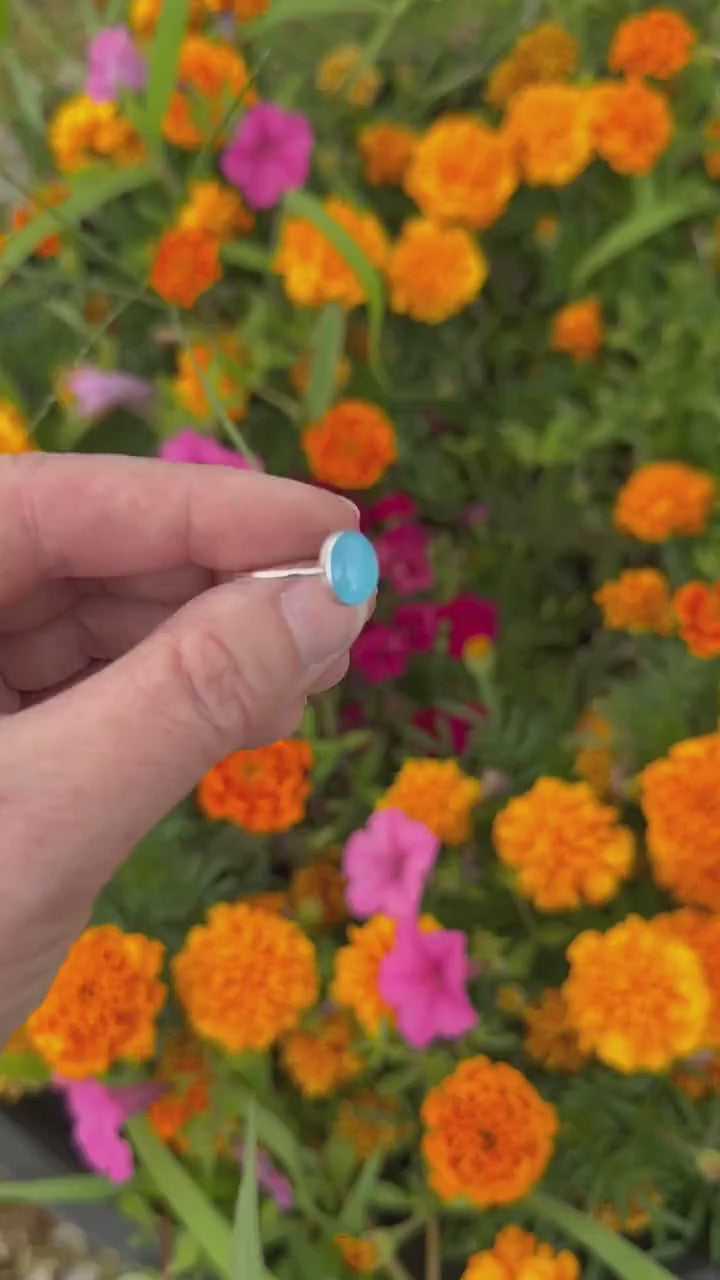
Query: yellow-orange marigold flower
x=489, y=1134
x=144, y=15
x=218, y=76
x=577, y=329
x=547, y=52
x=664, y=500
x=245, y=977
x=435, y=792
x=565, y=847
x=183, y=1070
x=550, y=1037
x=636, y=996
x=434, y=271
x=299, y=373
x=213, y=366
x=595, y=758
x=656, y=43
x=356, y=969
x=697, y=609
x=102, y=1005
x=242, y=10
x=370, y=1121
x=386, y=149
x=351, y=446
x=335, y=77
x=631, y=125
x=635, y=1218
x=317, y=893
x=186, y=265
x=701, y=932
x=519, y=1255
x=276, y=901
x=680, y=798
x=82, y=131
x=549, y=129
x=357, y=1254
x=461, y=171
x=49, y=198
x=319, y=1061
x=14, y=436
x=261, y=790
x=639, y=600
x=312, y=270
x=217, y=209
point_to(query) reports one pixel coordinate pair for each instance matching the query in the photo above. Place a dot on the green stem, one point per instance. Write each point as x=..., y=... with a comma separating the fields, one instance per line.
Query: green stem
x=379, y=38
x=70, y=1190
x=619, y=1256
x=433, y=1250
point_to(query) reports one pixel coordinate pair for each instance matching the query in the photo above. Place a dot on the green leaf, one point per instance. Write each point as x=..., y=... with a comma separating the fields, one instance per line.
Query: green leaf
x=617, y=1254
x=327, y=345
x=184, y=1197
x=70, y=1190
x=164, y=62
x=641, y=226
x=354, y=1211
x=4, y=20
x=302, y=205
x=247, y=1261
x=88, y=193
x=25, y=1068
x=291, y=10
x=249, y=255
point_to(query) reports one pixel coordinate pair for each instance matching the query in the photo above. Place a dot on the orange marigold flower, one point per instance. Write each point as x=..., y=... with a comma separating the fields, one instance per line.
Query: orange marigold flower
x=218, y=76
x=549, y=129
x=681, y=802
x=664, y=500
x=245, y=977
x=565, y=846
x=201, y=367
x=336, y=77
x=519, y=1255
x=489, y=1134
x=550, y=1037
x=186, y=265
x=351, y=446
x=217, y=209
x=242, y=10
x=82, y=131
x=577, y=329
x=261, y=790
x=701, y=932
x=461, y=171
x=299, y=373
x=14, y=436
x=370, y=1121
x=321, y=1060
x=52, y=196
x=631, y=125
x=547, y=52
x=595, y=758
x=635, y=1218
x=357, y=1254
x=657, y=43
x=636, y=996
x=144, y=15
x=639, y=600
x=317, y=893
x=697, y=609
x=273, y=900
x=356, y=968
x=386, y=149
x=312, y=270
x=185, y=1072
x=438, y=793
x=434, y=271
x=711, y=160
x=103, y=1003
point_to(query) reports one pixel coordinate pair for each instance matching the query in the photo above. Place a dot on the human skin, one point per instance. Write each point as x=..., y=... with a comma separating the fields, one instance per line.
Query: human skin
x=132, y=658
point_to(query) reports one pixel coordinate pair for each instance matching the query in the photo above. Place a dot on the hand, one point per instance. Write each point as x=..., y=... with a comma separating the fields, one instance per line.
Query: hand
x=131, y=661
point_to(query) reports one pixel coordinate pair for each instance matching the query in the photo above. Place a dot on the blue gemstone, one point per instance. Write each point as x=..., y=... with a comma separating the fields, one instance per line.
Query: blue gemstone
x=352, y=570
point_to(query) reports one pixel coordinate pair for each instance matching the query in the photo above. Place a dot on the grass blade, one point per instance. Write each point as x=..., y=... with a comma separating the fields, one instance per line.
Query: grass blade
x=354, y=1210
x=4, y=20
x=71, y=1190
x=327, y=346
x=164, y=62
x=247, y=1261
x=282, y=11
x=249, y=255
x=618, y=1255
x=641, y=226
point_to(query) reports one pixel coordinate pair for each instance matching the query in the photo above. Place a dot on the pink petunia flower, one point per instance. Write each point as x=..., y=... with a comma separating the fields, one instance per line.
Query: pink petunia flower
x=114, y=64
x=380, y=653
x=424, y=980
x=97, y=1113
x=450, y=732
x=193, y=446
x=269, y=154
x=95, y=392
x=468, y=616
x=418, y=624
x=386, y=864
x=270, y=1179
x=402, y=553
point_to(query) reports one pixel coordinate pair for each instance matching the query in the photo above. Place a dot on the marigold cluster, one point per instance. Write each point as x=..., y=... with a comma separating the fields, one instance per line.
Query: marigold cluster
x=664, y=500
x=357, y=1254
x=261, y=790
x=218, y=75
x=700, y=931
x=631, y=125
x=681, y=801
x=313, y=272
x=245, y=977
x=550, y=1037
x=14, y=436
x=202, y=367
x=549, y=129
x=434, y=271
x=577, y=329
x=547, y=52
x=595, y=758
x=386, y=149
x=519, y=1255
x=657, y=43
x=341, y=74
x=565, y=847
x=215, y=209
x=461, y=171
x=438, y=793
x=319, y=1061
x=186, y=265
x=489, y=1135
x=82, y=132
x=639, y=600
x=697, y=609
x=103, y=1004
x=185, y=1072
x=636, y=996
x=49, y=198
x=370, y=1121
x=351, y=446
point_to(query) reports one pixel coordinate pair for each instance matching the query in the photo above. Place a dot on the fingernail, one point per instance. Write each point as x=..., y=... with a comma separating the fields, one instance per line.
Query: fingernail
x=321, y=628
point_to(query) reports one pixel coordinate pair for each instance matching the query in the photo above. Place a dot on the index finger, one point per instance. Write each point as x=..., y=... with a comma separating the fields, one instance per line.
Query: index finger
x=64, y=515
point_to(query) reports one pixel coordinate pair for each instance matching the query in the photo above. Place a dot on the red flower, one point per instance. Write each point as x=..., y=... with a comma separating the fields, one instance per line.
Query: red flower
x=469, y=616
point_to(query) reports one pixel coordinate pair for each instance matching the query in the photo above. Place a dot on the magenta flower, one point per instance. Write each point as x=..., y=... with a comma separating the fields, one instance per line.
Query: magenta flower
x=98, y=391
x=469, y=616
x=392, y=509
x=424, y=980
x=418, y=625
x=380, y=653
x=269, y=154
x=193, y=446
x=114, y=64
x=386, y=864
x=97, y=1113
x=403, y=556
x=270, y=1179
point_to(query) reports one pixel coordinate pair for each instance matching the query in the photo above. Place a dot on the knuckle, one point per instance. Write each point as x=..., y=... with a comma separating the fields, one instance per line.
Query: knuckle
x=213, y=682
